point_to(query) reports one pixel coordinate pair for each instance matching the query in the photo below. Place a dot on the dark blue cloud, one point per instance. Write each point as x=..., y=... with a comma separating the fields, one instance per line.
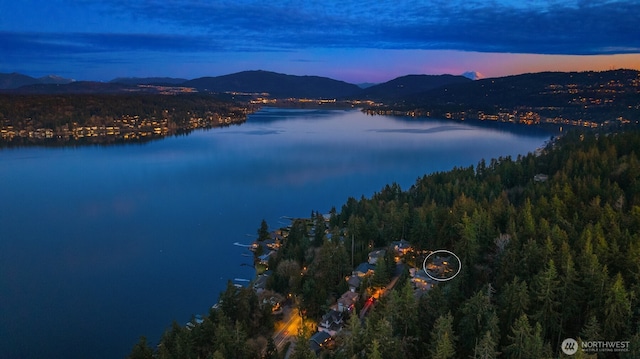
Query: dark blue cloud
x=596, y=27
x=136, y=32
x=553, y=27
x=70, y=43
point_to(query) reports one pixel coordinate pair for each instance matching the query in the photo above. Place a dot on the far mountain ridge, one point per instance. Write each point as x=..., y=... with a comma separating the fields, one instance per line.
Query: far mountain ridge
x=54, y=79
x=16, y=80
x=275, y=84
x=579, y=98
x=365, y=85
x=409, y=85
x=410, y=90
x=534, y=88
x=149, y=80
x=76, y=87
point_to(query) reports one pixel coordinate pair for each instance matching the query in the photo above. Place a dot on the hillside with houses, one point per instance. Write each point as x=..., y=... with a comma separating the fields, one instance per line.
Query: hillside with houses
x=547, y=248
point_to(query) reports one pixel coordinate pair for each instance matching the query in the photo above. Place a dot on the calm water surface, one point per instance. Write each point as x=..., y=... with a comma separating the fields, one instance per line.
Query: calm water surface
x=100, y=245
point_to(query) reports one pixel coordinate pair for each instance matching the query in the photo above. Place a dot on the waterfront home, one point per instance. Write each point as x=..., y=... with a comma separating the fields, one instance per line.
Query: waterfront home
x=275, y=240
x=264, y=259
x=260, y=283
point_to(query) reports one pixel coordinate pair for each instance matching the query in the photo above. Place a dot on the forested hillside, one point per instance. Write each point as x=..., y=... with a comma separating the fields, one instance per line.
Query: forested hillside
x=544, y=258
x=542, y=261
x=588, y=99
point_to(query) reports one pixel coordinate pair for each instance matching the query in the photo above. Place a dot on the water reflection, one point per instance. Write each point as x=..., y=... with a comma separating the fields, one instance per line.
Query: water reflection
x=124, y=239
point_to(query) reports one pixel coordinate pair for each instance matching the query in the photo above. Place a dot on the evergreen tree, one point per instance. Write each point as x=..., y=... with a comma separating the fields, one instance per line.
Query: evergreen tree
x=383, y=333
x=380, y=275
x=514, y=302
x=351, y=337
x=443, y=338
x=467, y=246
x=546, y=297
x=617, y=310
x=520, y=341
x=536, y=345
x=375, y=350
x=263, y=231
x=634, y=347
x=141, y=350
x=476, y=313
x=319, y=228
x=570, y=293
x=591, y=330
x=403, y=306
x=444, y=349
x=302, y=350
x=487, y=347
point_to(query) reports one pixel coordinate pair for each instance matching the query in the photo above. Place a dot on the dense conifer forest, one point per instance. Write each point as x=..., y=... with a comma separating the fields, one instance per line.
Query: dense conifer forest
x=549, y=245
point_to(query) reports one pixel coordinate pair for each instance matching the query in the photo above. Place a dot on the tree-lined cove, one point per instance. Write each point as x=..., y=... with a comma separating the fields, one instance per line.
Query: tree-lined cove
x=128, y=237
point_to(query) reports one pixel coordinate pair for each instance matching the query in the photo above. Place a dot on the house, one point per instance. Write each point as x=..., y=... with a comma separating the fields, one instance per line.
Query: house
x=347, y=302
x=420, y=279
x=254, y=246
x=318, y=341
x=332, y=322
x=441, y=267
x=260, y=283
x=540, y=177
x=375, y=255
x=270, y=244
x=267, y=245
x=364, y=269
x=264, y=259
x=354, y=282
x=401, y=247
x=273, y=301
x=275, y=240
x=197, y=320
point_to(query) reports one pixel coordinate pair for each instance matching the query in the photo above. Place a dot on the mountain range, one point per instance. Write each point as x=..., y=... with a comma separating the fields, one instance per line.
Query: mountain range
x=15, y=80
x=170, y=81
x=409, y=85
x=543, y=89
x=275, y=85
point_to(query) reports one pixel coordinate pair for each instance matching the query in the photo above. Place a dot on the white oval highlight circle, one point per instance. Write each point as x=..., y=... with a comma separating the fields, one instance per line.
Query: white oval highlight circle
x=441, y=265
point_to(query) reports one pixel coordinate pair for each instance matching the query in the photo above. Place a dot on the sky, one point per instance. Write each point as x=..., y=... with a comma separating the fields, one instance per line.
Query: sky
x=357, y=42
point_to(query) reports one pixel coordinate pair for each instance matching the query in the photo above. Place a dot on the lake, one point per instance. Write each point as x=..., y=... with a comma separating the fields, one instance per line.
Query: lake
x=102, y=244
